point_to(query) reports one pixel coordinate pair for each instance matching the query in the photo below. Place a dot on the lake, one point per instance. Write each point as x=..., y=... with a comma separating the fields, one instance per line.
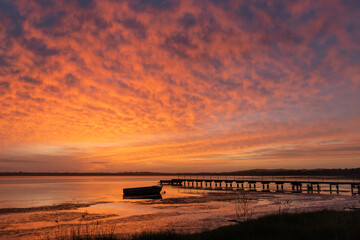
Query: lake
x=53, y=206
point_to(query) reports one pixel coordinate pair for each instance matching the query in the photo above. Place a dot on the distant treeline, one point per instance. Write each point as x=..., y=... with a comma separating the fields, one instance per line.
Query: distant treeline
x=351, y=173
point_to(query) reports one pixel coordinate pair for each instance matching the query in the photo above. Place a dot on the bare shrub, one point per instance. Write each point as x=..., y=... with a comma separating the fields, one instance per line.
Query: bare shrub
x=242, y=206
x=285, y=206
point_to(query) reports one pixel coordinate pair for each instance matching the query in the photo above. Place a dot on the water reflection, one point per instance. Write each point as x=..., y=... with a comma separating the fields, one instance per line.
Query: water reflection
x=182, y=209
x=38, y=191
x=155, y=196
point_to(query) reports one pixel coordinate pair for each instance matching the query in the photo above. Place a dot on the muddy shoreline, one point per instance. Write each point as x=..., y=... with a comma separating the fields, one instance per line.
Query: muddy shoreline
x=57, y=207
x=191, y=214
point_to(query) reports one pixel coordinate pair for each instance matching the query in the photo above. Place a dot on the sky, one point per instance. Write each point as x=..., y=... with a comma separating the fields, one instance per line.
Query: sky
x=179, y=86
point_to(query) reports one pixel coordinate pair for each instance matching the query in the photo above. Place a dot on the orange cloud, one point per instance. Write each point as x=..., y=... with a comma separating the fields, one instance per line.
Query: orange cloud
x=168, y=85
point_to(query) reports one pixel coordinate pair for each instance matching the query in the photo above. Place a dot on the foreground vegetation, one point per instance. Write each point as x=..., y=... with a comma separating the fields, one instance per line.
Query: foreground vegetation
x=312, y=225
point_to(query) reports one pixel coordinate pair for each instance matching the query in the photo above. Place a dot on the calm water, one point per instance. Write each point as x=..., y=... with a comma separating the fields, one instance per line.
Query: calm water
x=39, y=191
x=181, y=209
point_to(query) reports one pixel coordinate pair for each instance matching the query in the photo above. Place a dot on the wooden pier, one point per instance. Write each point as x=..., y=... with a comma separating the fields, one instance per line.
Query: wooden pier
x=268, y=184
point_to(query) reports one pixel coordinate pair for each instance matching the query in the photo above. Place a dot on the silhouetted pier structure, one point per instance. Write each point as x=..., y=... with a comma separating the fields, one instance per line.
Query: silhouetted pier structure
x=267, y=183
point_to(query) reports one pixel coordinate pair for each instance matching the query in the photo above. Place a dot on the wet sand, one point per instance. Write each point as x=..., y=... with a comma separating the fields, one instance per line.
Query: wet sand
x=194, y=213
x=63, y=206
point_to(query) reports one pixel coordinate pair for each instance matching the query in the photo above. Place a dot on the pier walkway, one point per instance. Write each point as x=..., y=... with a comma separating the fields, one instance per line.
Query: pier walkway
x=268, y=183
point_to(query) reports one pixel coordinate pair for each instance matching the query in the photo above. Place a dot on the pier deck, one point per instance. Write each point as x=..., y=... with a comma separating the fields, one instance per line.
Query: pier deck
x=297, y=185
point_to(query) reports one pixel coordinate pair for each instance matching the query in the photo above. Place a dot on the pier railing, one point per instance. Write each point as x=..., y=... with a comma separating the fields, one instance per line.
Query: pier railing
x=318, y=179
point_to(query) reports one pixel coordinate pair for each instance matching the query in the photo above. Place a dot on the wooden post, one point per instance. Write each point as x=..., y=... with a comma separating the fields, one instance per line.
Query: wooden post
x=337, y=188
x=330, y=189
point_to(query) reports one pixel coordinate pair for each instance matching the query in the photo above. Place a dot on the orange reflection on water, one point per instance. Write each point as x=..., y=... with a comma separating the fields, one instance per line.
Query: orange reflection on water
x=181, y=209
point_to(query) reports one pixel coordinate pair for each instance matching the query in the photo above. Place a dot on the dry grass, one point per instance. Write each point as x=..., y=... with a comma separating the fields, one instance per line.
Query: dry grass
x=312, y=225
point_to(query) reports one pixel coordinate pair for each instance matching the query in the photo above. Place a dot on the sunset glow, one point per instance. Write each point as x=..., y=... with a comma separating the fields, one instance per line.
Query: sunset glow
x=170, y=85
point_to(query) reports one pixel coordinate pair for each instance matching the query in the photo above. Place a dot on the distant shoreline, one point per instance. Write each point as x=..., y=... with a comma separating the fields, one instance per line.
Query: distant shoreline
x=345, y=173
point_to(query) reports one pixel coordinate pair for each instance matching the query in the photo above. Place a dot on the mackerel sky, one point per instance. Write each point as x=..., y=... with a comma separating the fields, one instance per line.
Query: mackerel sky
x=170, y=85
